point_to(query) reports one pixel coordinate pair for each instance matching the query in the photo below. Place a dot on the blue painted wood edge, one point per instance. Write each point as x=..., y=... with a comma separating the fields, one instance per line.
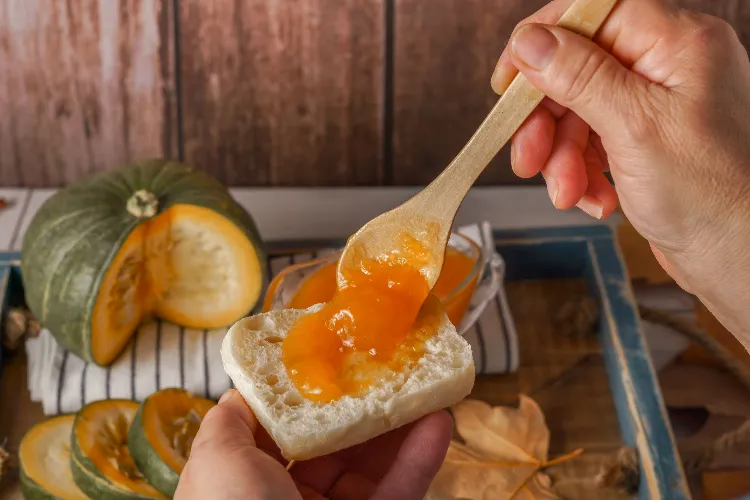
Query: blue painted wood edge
x=4, y=302
x=555, y=233
x=10, y=288
x=518, y=236
x=635, y=386
x=592, y=252
x=10, y=257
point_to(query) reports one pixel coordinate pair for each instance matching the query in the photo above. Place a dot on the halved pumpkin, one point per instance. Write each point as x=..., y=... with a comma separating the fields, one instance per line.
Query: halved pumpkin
x=100, y=460
x=44, y=461
x=153, y=238
x=162, y=434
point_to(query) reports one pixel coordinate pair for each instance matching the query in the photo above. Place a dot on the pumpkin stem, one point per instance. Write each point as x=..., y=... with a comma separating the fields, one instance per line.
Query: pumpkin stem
x=143, y=204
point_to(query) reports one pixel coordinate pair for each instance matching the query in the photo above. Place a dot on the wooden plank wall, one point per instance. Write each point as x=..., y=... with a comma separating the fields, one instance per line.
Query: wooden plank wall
x=257, y=92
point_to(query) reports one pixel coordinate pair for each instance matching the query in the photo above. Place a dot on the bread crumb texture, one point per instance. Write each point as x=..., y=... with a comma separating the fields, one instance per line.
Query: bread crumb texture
x=302, y=428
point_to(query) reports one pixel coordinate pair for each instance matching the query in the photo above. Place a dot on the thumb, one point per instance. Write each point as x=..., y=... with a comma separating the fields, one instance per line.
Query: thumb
x=578, y=74
x=231, y=420
x=225, y=462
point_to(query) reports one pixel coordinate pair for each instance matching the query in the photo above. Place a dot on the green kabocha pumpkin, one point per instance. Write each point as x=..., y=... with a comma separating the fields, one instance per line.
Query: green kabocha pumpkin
x=100, y=460
x=153, y=238
x=162, y=433
x=44, y=461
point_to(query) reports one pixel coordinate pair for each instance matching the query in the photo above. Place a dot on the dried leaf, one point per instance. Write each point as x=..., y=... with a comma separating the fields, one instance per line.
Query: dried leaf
x=4, y=461
x=505, y=450
x=466, y=474
x=19, y=324
x=502, y=433
x=538, y=487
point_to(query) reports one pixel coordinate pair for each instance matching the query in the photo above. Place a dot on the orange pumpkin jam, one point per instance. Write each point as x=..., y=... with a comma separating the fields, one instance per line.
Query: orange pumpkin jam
x=320, y=286
x=368, y=324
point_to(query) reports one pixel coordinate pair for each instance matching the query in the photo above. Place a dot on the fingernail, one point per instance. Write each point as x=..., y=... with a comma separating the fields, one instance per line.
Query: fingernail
x=591, y=205
x=552, y=189
x=534, y=45
x=513, y=156
x=498, y=81
x=224, y=397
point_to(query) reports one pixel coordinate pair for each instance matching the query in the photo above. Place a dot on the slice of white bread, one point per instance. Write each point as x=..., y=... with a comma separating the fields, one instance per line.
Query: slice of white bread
x=304, y=429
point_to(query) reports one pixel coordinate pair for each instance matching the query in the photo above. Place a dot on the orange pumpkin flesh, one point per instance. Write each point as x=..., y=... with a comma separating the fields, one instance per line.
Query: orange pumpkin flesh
x=101, y=436
x=44, y=457
x=170, y=420
x=188, y=265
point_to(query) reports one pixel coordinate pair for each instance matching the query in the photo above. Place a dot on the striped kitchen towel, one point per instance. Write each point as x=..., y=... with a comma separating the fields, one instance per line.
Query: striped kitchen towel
x=165, y=355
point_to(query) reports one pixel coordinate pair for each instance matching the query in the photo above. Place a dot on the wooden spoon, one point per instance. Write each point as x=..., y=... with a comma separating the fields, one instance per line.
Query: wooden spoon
x=428, y=216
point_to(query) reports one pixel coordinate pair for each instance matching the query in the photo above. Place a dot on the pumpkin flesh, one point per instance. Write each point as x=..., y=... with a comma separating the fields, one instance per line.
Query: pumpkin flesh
x=162, y=433
x=100, y=437
x=188, y=265
x=44, y=457
x=170, y=422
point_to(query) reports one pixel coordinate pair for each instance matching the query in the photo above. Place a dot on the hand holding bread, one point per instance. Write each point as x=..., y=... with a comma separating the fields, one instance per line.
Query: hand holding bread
x=233, y=457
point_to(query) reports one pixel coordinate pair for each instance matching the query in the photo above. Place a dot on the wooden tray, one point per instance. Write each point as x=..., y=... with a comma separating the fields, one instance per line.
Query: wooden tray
x=575, y=258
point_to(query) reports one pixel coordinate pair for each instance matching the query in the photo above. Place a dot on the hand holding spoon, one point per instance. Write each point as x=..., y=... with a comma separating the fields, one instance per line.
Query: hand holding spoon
x=428, y=216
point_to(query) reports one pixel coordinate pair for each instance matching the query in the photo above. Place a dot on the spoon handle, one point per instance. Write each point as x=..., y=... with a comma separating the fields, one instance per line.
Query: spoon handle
x=516, y=104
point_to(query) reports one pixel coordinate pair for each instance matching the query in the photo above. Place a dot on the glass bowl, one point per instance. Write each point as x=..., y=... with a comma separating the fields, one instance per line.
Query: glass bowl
x=301, y=285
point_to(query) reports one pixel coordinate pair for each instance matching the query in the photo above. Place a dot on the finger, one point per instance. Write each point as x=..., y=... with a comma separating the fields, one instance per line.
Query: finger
x=505, y=71
x=600, y=199
x=637, y=31
x=532, y=143
x=229, y=422
x=309, y=493
x=320, y=473
x=224, y=461
x=632, y=30
x=371, y=460
x=557, y=110
x=352, y=486
x=578, y=74
x=266, y=443
x=565, y=171
x=376, y=457
x=418, y=460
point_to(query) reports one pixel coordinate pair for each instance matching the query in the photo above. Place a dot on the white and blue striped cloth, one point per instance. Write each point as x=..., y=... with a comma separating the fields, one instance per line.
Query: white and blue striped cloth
x=165, y=355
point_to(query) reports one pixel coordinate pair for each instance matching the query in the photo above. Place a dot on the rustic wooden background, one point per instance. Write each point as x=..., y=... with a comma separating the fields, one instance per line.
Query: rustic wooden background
x=257, y=92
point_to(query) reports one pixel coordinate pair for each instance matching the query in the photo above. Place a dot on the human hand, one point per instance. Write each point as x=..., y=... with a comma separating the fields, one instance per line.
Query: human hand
x=662, y=100
x=234, y=458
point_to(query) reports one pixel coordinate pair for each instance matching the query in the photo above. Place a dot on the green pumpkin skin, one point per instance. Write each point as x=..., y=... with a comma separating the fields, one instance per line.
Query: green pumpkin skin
x=96, y=486
x=171, y=402
x=153, y=468
x=86, y=474
x=31, y=490
x=43, y=437
x=74, y=237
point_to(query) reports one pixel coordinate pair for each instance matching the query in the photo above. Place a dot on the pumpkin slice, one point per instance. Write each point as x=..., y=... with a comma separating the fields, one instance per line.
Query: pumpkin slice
x=154, y=238
x=44, y=460
x=162, y=434
x=100, y=460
